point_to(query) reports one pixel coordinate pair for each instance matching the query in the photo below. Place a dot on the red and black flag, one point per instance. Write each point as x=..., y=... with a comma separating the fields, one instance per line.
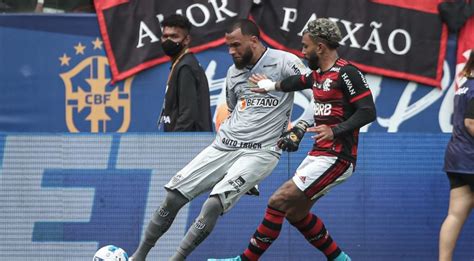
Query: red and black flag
x=403, y=41
x=131, y=28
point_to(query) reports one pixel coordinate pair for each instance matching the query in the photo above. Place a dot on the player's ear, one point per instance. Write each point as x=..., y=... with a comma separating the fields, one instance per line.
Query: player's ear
x=254, y=39
x=321, y=47
x=187, y=40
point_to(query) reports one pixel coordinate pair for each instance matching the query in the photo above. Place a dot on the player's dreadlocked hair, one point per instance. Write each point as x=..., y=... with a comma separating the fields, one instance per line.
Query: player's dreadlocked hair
x=323, y=29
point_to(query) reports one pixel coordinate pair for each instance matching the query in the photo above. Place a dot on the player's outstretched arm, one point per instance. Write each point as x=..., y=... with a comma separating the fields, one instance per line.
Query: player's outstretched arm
x=290, y=84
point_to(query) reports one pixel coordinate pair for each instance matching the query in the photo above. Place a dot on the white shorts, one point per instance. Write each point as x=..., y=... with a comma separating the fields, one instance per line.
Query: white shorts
x=230, y=174
x=316, y=175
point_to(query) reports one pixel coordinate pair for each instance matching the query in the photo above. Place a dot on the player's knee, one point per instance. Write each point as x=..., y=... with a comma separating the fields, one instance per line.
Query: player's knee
x=279, y=201
x=294, y=214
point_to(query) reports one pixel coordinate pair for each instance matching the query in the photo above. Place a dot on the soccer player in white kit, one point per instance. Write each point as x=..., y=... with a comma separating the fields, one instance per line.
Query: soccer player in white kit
x=245, y=150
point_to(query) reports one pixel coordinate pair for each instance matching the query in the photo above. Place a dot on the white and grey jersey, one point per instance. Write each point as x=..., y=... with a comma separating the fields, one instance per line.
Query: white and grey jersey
x=257, y=120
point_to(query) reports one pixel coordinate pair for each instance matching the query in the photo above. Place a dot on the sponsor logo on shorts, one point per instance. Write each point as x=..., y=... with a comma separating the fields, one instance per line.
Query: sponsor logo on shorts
x=240, y=181
x=302, y=178
x=240, y=144
x=237, y=183
x=177, y=178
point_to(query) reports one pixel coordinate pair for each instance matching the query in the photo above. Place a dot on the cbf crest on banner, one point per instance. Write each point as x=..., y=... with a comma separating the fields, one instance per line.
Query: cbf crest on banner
x=92, y=102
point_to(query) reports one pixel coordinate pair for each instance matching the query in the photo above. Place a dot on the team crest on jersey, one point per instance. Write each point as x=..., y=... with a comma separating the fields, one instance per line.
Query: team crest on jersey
x=92, y=102
x=326, y=85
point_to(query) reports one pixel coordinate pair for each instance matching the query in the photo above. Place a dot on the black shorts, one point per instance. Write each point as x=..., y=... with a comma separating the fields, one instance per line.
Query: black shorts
x=457, y=180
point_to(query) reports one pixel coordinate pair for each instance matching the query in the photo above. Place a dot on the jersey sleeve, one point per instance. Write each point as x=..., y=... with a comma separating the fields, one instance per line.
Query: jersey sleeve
x=354, y=84
x=357, y=91
x=297, y=82
x=293, y=65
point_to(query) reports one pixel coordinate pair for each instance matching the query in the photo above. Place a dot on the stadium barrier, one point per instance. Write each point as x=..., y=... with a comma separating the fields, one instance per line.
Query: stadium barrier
x=62, y=196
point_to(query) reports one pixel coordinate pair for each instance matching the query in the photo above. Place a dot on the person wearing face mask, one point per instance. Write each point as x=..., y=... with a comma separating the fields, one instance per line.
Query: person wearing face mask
x=342, y=103
x=187, y=103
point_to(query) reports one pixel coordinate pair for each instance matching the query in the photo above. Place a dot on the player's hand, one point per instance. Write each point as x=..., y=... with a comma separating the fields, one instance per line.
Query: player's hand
x=290, y=140
x=255, y=78
x=323, y=132
x=264, y=84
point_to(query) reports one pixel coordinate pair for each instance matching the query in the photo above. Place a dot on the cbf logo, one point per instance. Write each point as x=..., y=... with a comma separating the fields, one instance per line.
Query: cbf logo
x=93, y=103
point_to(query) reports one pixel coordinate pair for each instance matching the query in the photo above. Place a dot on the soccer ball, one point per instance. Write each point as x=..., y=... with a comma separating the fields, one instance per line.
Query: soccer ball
x=110, y=253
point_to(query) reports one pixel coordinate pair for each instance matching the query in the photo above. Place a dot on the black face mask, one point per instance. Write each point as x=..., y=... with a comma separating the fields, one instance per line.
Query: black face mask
x=171, y=48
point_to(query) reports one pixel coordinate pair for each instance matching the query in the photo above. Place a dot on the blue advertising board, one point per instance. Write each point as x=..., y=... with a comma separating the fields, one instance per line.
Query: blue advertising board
x=63, y=196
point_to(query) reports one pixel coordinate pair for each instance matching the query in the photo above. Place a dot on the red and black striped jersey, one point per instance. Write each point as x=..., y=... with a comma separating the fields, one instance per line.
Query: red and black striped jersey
x=342, y=100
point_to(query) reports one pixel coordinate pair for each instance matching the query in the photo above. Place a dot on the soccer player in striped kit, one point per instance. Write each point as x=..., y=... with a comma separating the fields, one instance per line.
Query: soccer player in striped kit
x=343, y=103
x=245, y=150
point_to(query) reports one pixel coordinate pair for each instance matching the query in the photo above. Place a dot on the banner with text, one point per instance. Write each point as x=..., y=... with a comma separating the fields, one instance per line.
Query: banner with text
x=131, y=28
x=380, y=38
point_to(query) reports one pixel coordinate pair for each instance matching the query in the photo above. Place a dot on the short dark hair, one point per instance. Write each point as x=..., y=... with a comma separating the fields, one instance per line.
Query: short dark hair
x=176, y=20
x=246, y=26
